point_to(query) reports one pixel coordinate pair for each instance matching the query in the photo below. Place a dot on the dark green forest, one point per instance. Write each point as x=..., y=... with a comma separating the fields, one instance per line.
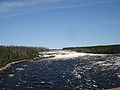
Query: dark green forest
x=107, y=49
x=13, y=53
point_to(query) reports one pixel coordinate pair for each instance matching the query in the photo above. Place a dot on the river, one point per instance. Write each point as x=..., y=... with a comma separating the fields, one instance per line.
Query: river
x=61, y=70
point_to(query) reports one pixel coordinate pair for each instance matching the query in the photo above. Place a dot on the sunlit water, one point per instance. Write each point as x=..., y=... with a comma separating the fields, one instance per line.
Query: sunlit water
x=59, y=70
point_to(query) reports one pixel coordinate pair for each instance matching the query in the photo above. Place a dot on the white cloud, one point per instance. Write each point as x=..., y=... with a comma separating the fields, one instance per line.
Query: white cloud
x=7, y=5
x=21, y=3
x=21, y=6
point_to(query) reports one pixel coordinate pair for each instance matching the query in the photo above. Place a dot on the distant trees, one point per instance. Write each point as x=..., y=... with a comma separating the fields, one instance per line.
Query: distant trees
x=108, y=49
x=13, y=53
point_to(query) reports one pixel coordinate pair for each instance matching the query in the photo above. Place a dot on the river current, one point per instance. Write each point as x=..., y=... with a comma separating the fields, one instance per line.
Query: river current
x=63, y=70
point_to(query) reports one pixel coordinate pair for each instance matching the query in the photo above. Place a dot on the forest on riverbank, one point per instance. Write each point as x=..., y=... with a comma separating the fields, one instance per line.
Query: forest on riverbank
x=106, y=49
x=13, y=53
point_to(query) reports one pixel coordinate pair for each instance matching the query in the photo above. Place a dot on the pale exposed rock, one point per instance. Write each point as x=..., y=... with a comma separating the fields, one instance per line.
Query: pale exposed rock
x=29, y=87
x=78, y=76
x=16, y=85
x=43, y=83
x=19, y=69
x=95, y=86
x=118, y=58
x=11, y=75
x=118, y=75
x=25, y=65
x=107, y=64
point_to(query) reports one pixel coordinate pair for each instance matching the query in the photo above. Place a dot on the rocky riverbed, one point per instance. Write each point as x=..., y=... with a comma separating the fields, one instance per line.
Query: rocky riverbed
x=59, y=70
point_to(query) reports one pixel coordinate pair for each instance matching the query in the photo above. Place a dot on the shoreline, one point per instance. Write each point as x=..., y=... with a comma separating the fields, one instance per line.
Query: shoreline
x=10, y=64
x=114, y=88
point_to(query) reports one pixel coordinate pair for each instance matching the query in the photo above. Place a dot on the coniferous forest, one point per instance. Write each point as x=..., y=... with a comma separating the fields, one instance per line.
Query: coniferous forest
x=108, y=49
x=13, y=53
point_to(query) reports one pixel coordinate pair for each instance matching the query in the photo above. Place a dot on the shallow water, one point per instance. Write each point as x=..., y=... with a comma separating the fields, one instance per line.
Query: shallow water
x=75, y=73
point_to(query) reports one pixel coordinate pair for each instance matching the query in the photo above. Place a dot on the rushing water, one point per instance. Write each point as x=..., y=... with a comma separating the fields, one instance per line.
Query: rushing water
x=81, y=72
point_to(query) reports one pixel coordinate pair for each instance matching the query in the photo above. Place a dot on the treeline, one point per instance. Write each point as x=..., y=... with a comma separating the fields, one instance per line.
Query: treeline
x=108, y=49
x=13, y=53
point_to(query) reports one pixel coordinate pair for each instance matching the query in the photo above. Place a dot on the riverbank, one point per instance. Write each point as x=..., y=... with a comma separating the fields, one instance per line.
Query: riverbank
x=10, y=64
x=114, y=89
x=105, y=49
x=12, y=53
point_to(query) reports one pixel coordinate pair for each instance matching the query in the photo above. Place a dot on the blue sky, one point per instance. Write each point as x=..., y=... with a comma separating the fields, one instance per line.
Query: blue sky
x=59, y=23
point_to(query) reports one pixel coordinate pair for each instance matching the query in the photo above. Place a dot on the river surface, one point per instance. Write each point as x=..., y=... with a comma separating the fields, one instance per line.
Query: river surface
x=63, y=70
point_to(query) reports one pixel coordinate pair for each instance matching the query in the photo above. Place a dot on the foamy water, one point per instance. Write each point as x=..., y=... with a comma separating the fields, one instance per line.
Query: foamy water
x=66, y=54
